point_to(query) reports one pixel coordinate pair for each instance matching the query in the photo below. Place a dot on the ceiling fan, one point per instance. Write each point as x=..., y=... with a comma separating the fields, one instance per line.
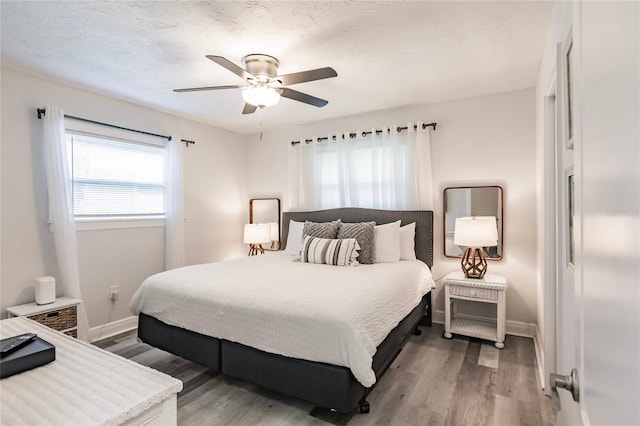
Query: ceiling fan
x=264, y=86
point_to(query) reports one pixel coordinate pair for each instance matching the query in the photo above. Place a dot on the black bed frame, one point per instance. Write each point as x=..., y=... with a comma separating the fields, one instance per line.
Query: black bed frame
x=324, y=385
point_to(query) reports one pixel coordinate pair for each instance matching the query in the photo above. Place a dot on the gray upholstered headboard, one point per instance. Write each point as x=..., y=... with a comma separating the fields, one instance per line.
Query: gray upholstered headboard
x=422, y=218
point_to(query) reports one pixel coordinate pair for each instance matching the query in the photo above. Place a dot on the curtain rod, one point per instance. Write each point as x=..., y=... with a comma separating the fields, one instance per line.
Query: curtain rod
x=353, y=135
x=41, y=112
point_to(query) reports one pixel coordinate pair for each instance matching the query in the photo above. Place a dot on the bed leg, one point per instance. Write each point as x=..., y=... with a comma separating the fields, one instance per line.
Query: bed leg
x=417, y=331
x=364, y=405
x=427, y=319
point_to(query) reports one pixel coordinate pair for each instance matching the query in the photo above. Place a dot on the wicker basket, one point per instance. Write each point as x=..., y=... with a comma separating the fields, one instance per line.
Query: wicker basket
x=62, y=319
x=73, y=333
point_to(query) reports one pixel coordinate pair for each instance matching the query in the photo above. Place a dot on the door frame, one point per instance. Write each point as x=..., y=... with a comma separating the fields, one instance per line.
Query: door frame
x=551, y=250
x=575, y=35
x=549, y=227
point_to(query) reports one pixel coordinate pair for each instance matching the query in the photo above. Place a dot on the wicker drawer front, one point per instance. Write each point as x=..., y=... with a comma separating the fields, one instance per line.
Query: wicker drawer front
x=73, y=333
x=62, y=319
x=475, y=293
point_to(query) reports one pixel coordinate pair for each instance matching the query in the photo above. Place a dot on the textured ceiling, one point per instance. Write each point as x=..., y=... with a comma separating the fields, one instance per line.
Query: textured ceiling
x=387, y=54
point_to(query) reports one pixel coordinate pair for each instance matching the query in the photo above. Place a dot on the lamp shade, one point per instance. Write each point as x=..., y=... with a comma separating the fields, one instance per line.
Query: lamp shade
x=261, y=96
x=257, y=233
x=477, y=231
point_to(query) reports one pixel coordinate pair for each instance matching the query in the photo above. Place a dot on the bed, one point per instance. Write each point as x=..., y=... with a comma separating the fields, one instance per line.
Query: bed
x=283, y=348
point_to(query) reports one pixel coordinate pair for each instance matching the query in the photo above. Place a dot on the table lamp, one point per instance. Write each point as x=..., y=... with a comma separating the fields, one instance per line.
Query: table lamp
x=475, y=233
x=255, y=235
x=275, y=235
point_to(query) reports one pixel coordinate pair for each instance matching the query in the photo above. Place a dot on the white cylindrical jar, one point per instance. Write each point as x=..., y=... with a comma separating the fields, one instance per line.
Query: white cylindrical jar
x=45, y=290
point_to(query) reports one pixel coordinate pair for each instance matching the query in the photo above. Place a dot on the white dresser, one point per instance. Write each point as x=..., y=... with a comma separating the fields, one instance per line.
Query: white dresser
x=85, y=385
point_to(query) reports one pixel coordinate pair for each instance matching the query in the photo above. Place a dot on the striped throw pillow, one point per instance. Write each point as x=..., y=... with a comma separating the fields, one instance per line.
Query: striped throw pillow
x=338, y=252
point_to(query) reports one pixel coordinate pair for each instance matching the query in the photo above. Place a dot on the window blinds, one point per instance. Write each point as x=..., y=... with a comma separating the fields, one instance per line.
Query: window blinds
x=115, y=178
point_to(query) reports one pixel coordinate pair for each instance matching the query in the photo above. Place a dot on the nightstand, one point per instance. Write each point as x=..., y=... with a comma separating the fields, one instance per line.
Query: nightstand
x=490, y=289
x=61, y=315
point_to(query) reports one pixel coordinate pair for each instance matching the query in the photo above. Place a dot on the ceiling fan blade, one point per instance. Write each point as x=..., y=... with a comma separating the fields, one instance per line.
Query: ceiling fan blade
x=198, y=89
x=304, y=76
x=302, y=97
x=239, y=71
x=249, y=109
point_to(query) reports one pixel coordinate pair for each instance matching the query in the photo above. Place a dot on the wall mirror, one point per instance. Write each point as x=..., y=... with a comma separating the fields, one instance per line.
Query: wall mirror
x=467, y=201
x=267, y=210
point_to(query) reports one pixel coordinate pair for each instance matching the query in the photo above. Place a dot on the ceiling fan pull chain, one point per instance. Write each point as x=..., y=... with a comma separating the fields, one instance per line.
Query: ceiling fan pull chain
x=260, y=113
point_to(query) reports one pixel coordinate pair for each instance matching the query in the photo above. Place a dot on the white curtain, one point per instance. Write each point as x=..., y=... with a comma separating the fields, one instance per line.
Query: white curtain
x=386, y=170
x=61, y=210
x=174, y=203
x=425, y=167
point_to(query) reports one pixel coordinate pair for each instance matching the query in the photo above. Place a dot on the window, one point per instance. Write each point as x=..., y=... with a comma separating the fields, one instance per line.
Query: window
x=363, y=176
x=381, y=171
x=115, y=178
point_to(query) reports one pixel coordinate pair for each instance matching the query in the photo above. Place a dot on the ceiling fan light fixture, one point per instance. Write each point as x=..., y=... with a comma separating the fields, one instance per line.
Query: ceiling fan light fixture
x=261, y=96
x=264, y=86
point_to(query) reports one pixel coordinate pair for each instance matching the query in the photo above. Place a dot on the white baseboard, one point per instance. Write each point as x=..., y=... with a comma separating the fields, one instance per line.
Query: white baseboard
x=113, y=328
x=537, y=346
x=513, y=328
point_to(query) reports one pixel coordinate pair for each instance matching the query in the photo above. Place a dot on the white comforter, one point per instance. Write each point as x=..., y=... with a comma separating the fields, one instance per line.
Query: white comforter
x=332, y=314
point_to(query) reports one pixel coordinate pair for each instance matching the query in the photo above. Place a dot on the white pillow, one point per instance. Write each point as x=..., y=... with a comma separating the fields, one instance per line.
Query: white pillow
x=408, y=242
x=386, y=243
x=294, y=239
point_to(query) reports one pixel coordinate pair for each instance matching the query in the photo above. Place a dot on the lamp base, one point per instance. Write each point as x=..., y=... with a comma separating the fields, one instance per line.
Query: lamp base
x=474, y=264
x=255, y=249
x=275, y=245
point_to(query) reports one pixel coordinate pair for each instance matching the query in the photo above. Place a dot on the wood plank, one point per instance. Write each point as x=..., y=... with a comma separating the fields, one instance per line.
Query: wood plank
x=438, y=379
x=517, y=373
x=474, y=397
x=489, y=356
x=511, y=411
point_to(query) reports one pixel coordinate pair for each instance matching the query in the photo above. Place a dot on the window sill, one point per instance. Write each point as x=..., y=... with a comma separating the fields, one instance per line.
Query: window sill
x=127, y=222
x=90, y=224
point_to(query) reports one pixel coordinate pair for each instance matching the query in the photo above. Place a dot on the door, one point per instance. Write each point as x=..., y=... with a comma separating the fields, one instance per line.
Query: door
x=598, y=214
x=609, y=154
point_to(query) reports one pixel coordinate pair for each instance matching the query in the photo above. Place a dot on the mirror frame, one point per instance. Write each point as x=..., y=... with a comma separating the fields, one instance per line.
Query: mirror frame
x=444, y=219
x=278, y=244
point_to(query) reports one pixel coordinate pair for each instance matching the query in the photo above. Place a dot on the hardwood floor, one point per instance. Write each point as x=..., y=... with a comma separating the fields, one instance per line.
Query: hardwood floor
x=433, y=381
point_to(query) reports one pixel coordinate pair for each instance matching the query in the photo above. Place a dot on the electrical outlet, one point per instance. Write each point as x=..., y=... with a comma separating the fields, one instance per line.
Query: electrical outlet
x=115, y=292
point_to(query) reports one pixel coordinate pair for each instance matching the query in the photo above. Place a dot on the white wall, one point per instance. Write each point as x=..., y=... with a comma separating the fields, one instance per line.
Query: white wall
x=488, y=140
x=216, y=201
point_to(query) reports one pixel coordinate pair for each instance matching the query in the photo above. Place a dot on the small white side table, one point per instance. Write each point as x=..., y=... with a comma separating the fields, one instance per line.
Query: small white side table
x=61, y=315
x=490, y=289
